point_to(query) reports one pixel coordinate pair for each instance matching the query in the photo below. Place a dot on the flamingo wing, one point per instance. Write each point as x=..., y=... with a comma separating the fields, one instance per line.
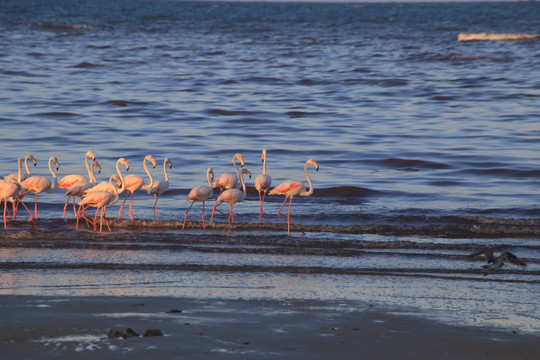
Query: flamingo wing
x=288, y=188
x=70, y=180
x=263, y=182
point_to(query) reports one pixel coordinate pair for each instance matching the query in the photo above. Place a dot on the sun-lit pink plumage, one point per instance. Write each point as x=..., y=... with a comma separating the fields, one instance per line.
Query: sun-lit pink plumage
x=292, y=188
x=9, y=189
x=200, y=193
x=232, y=196
x=68, y=181
x=160, y=186
x=262, y=184
x=38, y=184
x=79, y=188
x=102, y=198
x=135, y=182
x=227, y=180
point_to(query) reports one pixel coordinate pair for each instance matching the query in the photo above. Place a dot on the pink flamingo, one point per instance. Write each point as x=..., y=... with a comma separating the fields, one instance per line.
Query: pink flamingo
x=9, y=189
x=160, y=186
x=135, y=182
x=101, y=199
x=68, y=181
x=232, y=196
x=227, y=181
x=262, y=184
x=38, y=184
x=291, y=188
x=200, y=193
x=14, y=176
x=79, y=188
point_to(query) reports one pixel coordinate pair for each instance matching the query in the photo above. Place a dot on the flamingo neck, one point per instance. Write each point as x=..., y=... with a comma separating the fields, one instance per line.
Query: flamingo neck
x=264, y=162
x=19, y=174
x=26, y=165
x=93, y=179
x=88, y=167
x=165, y=170
x=151, y=183
x=243, y=186
x=234, y=164
x=55, y=184
x=310, y=191
x=208, y=178
x=123, y=185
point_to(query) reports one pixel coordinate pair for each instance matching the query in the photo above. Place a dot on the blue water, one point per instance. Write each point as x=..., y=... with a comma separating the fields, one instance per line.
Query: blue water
x=427, y=145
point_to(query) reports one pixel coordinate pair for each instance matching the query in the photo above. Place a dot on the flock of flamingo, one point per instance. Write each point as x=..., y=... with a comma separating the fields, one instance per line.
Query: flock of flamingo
x=101, y=195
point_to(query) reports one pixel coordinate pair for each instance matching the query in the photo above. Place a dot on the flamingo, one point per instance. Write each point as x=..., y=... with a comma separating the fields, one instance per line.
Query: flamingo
x=160, y=186
x=102, y=198
x=14, y=176
x=10, y=189
x=232, y=196
x=291, y=188
x=38, y=184
x=228, y=181
x=135, y=182
x=68, y=181
x=200, y=193
x=79, y=188
x=262, y=184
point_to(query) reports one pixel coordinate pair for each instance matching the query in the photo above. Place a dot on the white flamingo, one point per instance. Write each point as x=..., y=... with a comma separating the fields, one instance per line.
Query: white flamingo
x=135, y=182
x=232, y=196
x=38, y=184
x=160, y=186
x=14, y=176
x=79, y=188
x=200, y=193
x=68, y=181
x=101, y=199
x=227, y=180
x=292, y=188
x=262, y=184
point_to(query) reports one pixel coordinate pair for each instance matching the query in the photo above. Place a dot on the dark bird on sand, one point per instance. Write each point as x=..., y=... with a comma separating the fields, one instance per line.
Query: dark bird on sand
x=498, y=262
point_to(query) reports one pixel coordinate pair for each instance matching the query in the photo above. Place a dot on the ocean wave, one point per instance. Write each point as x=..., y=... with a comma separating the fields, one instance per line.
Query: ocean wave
x=485, y=36
x=61, y=27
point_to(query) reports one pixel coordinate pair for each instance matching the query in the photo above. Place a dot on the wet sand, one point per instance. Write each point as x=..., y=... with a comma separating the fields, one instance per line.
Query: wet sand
x=77, y=327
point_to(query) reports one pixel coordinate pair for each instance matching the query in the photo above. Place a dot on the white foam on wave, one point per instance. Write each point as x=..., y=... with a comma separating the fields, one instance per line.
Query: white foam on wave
x=485, y=36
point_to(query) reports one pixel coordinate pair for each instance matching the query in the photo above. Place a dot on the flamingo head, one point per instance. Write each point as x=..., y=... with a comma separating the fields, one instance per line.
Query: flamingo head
x=263, y=157
x=55, y=161
x=246, y=171
x=314, y=163
x=168, y=161
x=90, y=154
x=125, y=162
x=151, y=159
x=240, y=158
x=211, y=172
x=96, y=164
x=31, y=158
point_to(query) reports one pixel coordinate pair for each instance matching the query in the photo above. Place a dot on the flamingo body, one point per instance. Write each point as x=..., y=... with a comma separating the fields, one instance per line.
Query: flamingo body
x=38, y=184
x=200, y=193
x=8, y=189
x=232, y=196
x=228, y=181
x=262, y=184
x=291, y=188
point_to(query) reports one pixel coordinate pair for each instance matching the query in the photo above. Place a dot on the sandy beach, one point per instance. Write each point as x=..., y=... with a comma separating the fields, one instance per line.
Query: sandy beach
x=82, y=327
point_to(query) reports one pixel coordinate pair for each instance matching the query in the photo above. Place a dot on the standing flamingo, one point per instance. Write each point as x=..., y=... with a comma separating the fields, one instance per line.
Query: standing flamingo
x=262, y=184
x=135, y=182
x=227, y=180
x=14, y=176
x=160, y=186
x=232, y=196
x=291, y=188
x=68, y=181
x=9, y=189
x=200, y=193
x=79, y=188
x=101, y=199
x=38, y=184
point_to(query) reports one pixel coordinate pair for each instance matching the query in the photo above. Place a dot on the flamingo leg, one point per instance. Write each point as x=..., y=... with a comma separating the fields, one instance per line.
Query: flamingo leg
x=5, y=209
x=65, y=207
x=121, y=207
x=185, y=216
x=130, y=204
x=35, y=206
x=231, y=216
x=215, y=206
x=26, y=207
x=74, y=208
x=203, y=225
x=95, y=220
x=155, y=206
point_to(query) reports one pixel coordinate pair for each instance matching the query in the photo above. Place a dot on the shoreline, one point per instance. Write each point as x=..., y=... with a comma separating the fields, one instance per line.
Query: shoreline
x=68, y=327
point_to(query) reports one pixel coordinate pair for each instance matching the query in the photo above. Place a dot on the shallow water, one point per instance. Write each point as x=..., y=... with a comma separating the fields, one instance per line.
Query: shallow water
x=426, y=147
